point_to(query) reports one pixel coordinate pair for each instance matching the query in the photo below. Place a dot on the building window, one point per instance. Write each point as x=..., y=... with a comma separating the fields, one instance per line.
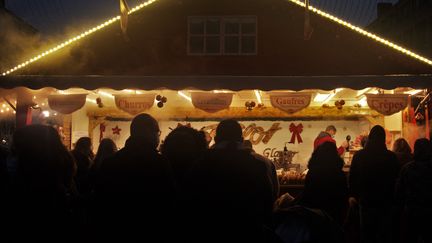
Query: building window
x=222, y=35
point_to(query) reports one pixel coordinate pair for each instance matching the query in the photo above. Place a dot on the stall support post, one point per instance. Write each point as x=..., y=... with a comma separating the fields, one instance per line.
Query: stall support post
x=23, y=108
x=23, y=115
x=427, y=121
x=67, y=129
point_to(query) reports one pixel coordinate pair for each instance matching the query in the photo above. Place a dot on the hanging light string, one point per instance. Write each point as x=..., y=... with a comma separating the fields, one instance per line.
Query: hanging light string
x=75, y=38
x=300, y=3
x=364, y=32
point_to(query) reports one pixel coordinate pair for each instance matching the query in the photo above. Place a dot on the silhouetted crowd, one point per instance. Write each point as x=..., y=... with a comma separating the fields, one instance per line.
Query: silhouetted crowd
x=184, y=191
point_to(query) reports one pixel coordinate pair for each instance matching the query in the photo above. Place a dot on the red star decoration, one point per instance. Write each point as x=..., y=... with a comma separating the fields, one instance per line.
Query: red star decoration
x=116, y=130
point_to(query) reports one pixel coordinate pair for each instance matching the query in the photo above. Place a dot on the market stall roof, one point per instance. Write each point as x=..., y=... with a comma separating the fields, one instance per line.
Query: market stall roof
x=155, y=54
x=235, y=83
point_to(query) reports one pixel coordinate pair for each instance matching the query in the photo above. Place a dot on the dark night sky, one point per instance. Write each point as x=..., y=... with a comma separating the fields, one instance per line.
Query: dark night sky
x=58, y=16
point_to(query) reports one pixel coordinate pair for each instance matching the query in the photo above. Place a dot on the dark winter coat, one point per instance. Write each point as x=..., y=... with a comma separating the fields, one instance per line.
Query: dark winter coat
x=373, y=174
x=135, y=194
x=326, y=187
x=82, y=177
x=404, y=158
x=229, y=192
x=326, y=190
x=415, y=184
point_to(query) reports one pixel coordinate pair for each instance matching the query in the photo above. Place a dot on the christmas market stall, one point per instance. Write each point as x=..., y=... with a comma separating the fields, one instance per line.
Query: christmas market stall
x=285, y=72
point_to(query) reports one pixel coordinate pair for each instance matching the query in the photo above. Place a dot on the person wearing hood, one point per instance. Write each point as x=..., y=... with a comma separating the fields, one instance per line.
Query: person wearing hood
x=373, y=174
x=414, y=189
x=328, y=136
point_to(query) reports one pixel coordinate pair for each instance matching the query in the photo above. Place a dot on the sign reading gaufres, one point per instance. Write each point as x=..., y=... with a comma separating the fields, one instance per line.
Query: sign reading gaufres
x=66, y=103
x=134, y=104
x=290, y=102
x=387, y=104
x=211, y=102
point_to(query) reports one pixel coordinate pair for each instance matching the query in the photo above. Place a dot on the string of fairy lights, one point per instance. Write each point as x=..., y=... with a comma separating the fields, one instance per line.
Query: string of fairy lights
x=75, y=38
x=5, y=109
x=145, y=4
x=364, y=32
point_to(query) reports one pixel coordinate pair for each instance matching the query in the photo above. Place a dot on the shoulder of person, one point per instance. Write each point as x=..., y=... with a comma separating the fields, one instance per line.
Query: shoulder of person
x=359, y=153
x=408, y=166
x=260, y=157
x=392, y=155
x=260, y=160
x=117, y=158
x=109, y=162
x=161, y=158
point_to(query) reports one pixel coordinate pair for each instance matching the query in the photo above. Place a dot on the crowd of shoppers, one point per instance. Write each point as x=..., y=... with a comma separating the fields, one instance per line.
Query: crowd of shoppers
x=188, y=192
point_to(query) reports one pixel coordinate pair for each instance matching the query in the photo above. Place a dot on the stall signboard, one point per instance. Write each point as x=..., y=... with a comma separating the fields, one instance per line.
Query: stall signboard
x=268, y=137
x=134, y=103
x=387, y=104
x=66, y=103
x=211, y=102
x=290, y=102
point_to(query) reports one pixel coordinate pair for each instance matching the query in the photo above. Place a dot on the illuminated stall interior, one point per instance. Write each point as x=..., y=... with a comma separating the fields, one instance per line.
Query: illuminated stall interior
x=267, y=126
x=99, y=64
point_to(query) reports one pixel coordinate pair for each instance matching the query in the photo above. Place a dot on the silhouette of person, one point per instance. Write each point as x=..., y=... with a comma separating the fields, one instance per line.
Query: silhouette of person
x=106, y=149
x=414, y=189
x=183, y=146
x=83, y=156
x=326, y=185
x=38, y=201
x=135, y=189
x=229, y=192
x=372, y=180
x=403, y=151
x=271, y=169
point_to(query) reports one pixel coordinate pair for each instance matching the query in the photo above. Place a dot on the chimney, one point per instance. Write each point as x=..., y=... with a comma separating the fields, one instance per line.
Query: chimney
x=383, y=9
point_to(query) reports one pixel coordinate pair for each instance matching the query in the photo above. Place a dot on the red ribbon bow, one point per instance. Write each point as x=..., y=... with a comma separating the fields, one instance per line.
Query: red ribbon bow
x=296, y=130
x=102, y=130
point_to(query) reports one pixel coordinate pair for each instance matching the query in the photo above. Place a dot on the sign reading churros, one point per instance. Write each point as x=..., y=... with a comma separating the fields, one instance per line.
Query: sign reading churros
x=134, y=104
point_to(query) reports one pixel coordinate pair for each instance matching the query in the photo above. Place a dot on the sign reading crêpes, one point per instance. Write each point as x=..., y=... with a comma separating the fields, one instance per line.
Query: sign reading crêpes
x=66, y=103
x=134, y=103
x=211, y=102
x=387, y=104
x=290, y=102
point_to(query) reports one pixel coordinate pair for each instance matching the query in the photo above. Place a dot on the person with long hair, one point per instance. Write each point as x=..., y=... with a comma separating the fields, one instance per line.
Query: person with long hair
x=183, y=146
x=403, y=151
x=106, y=149
x=83, y=155
x=326, y=184
x=40, y=188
